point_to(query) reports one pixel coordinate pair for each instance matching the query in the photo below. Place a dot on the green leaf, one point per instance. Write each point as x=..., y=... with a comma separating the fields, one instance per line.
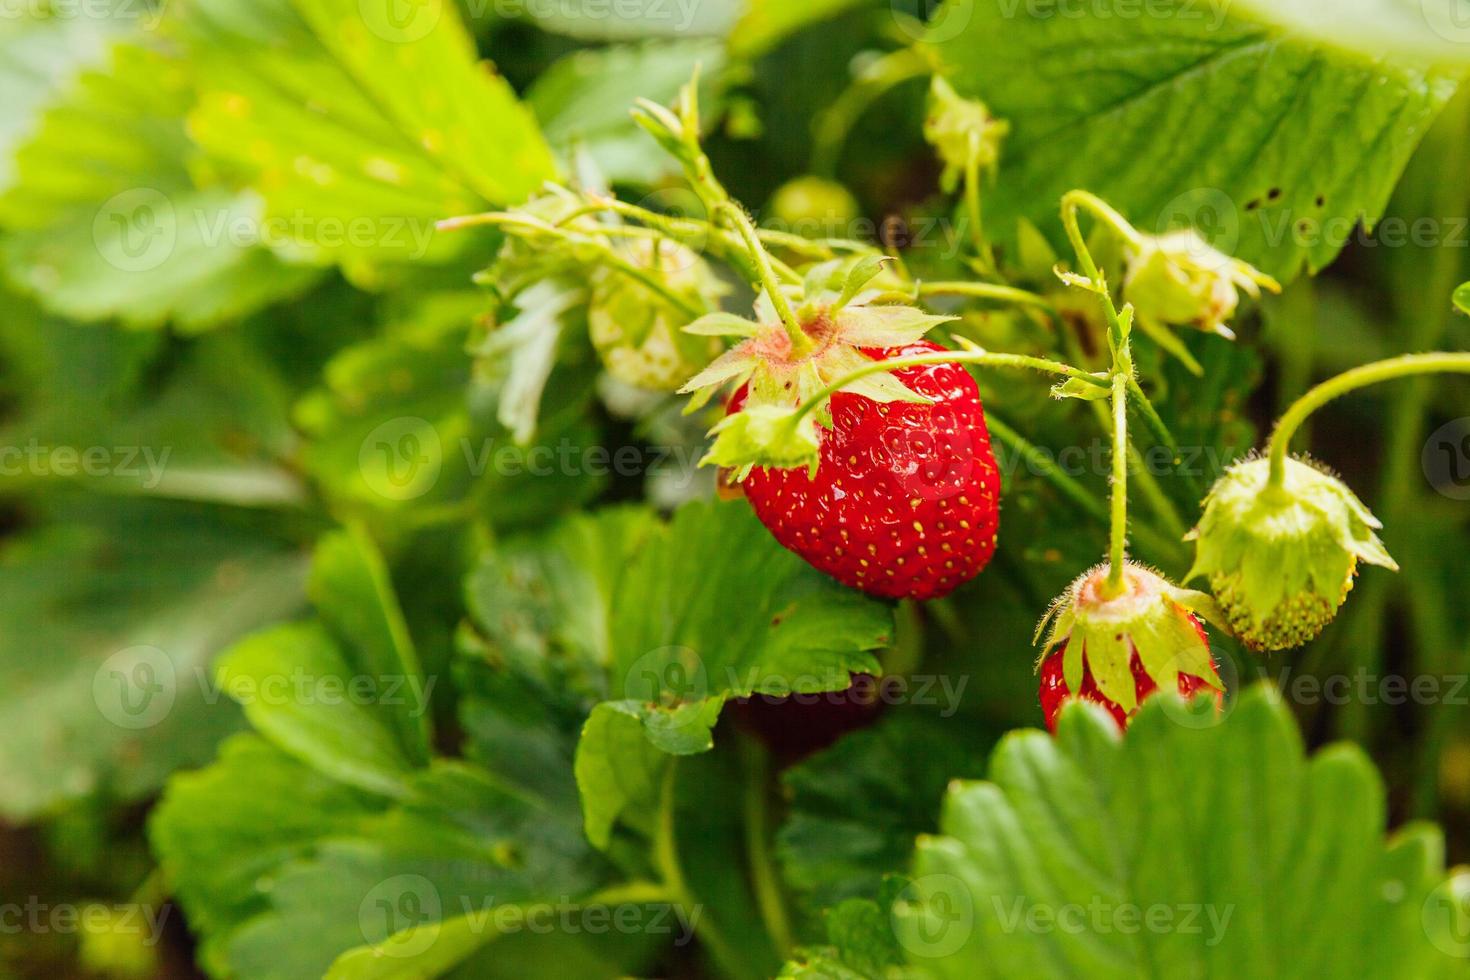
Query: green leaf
x=861, y=942
x=400, y=423
x=41, y=59
x=360, y=128
x=618, y=768
x=714, y=608
x=125, y=603
x=583, y=101
x=295, y=685
x=665, y=623
x=221, y=831
x=107, y=221
x=1180, y=849
x=1432, y=31
x=285, y=871
x=1462, y=299
x=346, y=694
x=593, y=20
x=1276, y=146
x=856, y=808
x=766, y=23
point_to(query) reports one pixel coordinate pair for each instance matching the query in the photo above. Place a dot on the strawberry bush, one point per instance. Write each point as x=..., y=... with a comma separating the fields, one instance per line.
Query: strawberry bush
x=728, y=488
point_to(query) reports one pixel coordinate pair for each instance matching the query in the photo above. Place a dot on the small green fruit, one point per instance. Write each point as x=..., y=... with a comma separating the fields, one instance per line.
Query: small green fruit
x=814, y=207
x=639, y=336
x=1281, y=560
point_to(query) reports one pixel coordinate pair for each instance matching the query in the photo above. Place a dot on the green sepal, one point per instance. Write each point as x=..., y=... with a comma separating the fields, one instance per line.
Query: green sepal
x=1282, y=559
x=1151, y=618
x=1077, y=388
x=722, y=325
x=765, y=435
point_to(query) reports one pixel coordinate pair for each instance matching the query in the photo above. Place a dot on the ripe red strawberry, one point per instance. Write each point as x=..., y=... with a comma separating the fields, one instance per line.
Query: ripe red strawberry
x=906, y=500
x=1054, y=692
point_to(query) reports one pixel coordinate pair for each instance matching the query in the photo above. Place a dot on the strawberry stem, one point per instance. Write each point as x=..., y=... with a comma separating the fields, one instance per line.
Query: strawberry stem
x=990, y=290
x=1118, y=546
x=1398, y=367
x=833, y=126
x=800, y=342
x=1072, y=202
x=1123, y=380
x=984, y=254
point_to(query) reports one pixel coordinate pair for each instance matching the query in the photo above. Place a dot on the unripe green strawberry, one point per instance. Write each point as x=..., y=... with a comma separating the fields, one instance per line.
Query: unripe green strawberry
x=1117, y=650
x=640, y=336
x=1281, y=560
x=815, y=207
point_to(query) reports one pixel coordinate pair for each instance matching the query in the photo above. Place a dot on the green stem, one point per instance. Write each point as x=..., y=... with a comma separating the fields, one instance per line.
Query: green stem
x=800, y=342
x=1359, y=377
x=1160, y=432
x=831, y=129
x=608, y=254
x=1045, y=467
x=1117, y=550
x=986, y=358
x=768, y=896
x=666, y=857
x=990, y=290
x=1072, y=202
x=972, y=205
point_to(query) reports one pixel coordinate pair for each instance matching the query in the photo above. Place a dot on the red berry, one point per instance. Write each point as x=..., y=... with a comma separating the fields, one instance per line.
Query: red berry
x=906, y=501
x=1054, y=691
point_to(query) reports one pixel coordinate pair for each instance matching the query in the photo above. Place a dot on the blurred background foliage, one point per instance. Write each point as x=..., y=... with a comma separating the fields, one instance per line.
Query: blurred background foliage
x=262, y=366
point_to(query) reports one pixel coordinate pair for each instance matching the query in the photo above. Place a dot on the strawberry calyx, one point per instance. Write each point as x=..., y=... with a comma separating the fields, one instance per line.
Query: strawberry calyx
x=843, y=327
x=1281, y=559
x=1151, y=621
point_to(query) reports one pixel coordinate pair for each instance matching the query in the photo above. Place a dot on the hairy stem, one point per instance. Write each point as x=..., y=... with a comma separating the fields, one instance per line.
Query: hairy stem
x=1118, y=546
x=1072, y=203
x=800, y=342
x=1397, y=367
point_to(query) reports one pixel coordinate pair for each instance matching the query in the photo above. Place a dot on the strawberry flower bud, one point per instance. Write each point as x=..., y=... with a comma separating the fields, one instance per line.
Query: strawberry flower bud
x=638, y=334
x=1179, y=279
x=1281, y=559
x=1119, y=650
x=960, y=129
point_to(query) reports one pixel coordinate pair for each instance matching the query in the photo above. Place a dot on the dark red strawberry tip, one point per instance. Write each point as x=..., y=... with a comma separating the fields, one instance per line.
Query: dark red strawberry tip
x=906, y=500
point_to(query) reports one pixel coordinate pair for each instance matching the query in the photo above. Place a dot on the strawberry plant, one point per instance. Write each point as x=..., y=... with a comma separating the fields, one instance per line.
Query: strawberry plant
x=733, y=489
